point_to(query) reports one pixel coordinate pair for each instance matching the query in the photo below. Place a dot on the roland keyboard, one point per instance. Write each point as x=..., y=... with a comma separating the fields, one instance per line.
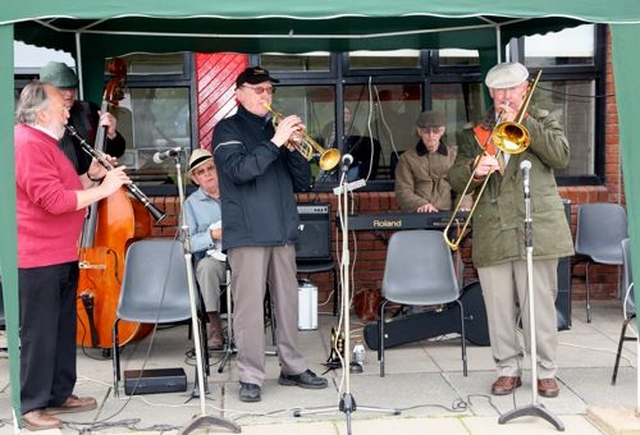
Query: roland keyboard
x=401, y=221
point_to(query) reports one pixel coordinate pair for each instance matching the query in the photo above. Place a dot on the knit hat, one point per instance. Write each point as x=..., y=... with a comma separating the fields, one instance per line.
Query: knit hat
x=59, y=75
x=506, y=75
x=198, y=157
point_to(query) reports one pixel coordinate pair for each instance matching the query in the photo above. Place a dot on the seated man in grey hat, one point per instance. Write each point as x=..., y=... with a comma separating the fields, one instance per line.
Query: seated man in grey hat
x=84, y=116
x=422, y=180
x=498, y=246
x=202, y=211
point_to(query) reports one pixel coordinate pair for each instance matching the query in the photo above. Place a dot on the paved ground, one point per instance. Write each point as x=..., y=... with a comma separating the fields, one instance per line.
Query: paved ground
x=424, y=382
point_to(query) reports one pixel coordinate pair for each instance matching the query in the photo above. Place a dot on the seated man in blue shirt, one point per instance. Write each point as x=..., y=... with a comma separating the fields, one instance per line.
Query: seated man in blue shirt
x=202, y=211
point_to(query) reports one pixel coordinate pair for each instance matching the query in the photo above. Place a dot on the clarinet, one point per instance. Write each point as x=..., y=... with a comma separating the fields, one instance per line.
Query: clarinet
x=101, y=157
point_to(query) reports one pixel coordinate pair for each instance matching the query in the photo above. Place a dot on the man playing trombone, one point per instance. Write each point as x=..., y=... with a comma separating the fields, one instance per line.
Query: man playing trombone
x=489, y=157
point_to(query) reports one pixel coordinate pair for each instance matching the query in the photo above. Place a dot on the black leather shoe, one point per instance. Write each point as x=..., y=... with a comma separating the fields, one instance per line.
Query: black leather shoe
x=306, y=379
x=249, y=392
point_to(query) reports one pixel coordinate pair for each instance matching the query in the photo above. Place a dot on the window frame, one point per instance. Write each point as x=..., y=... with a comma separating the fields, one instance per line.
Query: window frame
x=430, y=72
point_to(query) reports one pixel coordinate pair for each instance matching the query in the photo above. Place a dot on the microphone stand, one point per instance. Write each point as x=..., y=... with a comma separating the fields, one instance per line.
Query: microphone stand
x=535, y=409
x=202, y=419
x=347, y=402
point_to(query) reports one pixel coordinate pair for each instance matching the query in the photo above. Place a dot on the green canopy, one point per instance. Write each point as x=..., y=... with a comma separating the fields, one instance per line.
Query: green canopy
x=92, y=31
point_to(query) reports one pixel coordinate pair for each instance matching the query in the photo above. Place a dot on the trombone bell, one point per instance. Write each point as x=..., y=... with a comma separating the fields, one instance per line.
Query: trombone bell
x=511, y=137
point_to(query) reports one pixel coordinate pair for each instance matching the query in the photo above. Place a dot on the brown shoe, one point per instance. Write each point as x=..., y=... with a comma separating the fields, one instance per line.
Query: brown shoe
x=505, y=385
x=215, y=339
x=548, y=387
x=40, y=420
x=75, y=404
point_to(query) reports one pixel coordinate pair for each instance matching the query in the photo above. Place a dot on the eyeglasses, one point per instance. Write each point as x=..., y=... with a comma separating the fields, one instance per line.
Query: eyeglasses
x=431, y=130
x=202, y=171
x=261, y=89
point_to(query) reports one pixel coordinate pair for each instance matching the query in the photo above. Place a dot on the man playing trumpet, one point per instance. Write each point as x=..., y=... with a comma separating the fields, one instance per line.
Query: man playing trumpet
x=257, y=176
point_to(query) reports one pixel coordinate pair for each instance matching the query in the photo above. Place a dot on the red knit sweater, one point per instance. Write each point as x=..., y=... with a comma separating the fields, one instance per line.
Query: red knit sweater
x=49, y=226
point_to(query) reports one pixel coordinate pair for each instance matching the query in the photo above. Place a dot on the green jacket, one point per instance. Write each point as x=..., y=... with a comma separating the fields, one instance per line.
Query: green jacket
x=498, y=221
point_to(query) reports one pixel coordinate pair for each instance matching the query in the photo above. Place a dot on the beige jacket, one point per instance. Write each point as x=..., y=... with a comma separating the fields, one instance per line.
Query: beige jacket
x=422, y=178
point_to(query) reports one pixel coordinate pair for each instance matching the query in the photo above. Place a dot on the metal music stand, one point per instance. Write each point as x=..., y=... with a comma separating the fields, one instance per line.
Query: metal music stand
x=535, y=409
x=202, y=419
x=229, y=345
x=347, y=402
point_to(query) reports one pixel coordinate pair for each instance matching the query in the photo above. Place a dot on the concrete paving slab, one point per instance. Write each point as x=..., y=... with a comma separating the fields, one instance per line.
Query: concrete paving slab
x=619, y=420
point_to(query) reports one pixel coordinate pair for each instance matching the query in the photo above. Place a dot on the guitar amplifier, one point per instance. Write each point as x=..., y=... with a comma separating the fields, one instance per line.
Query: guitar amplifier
x=314, y=233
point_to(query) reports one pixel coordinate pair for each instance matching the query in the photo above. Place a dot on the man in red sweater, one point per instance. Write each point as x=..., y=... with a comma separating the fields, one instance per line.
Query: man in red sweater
x=51, y=201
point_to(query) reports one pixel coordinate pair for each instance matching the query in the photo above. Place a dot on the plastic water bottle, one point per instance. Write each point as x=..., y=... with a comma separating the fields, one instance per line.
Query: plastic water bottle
x=359, y=353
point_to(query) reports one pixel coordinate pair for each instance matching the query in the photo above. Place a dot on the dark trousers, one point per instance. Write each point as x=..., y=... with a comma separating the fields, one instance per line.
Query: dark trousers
x=47, y=334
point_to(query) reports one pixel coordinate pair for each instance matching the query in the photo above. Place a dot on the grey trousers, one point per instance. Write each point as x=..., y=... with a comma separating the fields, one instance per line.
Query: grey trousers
x=504, y=288
x=211, y=274
x=251, y=269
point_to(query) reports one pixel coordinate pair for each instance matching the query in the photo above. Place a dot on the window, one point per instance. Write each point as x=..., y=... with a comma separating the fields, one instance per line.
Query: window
x=575, y=59
x=568, y=47
x=156, y=113
x=317, y=61
x=396, y=59
x=385, y=113
x=154, y=64
x=450, y=57
x=153, y=119
x=569, y=101
x=460, y=103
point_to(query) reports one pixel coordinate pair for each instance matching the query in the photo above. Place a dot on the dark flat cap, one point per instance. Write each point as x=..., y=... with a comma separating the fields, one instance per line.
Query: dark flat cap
x=254, y=75
x=59, y=74
x=430, y=118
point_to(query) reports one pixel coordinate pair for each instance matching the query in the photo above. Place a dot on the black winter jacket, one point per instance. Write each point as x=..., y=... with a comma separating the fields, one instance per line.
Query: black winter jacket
x=257, y=181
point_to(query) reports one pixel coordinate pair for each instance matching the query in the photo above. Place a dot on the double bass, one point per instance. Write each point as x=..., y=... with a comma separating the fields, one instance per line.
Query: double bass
x=111, y=226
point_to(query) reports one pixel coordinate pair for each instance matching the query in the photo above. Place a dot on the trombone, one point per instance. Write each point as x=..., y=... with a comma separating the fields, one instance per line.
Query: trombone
x=509, y=137
x=302, y=142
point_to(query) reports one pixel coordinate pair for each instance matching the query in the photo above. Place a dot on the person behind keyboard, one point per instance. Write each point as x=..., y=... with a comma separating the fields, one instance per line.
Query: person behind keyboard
x=422, y=181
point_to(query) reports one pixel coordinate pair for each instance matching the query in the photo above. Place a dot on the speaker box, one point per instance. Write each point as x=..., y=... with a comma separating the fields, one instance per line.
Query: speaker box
x=563, y=299
x=154, y=381
x=314, y=233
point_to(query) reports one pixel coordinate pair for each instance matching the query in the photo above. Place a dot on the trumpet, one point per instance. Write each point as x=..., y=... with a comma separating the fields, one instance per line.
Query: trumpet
x=302, y=142
x=101, y=157
x=510, y=137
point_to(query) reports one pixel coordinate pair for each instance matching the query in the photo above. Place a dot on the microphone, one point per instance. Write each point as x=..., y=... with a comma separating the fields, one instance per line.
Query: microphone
x=347, y=160
x=525, y=167
x=160, y=157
